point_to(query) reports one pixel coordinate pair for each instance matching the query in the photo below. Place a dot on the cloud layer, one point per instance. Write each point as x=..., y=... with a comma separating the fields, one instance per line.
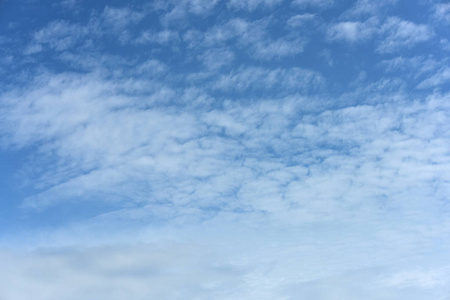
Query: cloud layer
x=225, y=150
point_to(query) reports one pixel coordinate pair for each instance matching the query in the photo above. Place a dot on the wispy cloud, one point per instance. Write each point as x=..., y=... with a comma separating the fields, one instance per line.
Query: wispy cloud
x=115, y=145
x=161, y=37
x=264, y=79
x=442, y=12
x=403, y=34
x=253, y=4
x=392, y=35
x=60, y=35
x=197, y=149
x=300, y=20
x=313, y=3
x=251, y=37
x=177, y=12
x=367, y=8
x=442, y=76
x=247, y=268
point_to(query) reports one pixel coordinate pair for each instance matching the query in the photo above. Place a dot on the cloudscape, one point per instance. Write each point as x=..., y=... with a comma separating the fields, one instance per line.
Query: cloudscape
x=225, y=149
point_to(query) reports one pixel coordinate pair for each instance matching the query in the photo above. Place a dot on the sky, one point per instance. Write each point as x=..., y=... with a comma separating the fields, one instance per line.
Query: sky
x=225, y=149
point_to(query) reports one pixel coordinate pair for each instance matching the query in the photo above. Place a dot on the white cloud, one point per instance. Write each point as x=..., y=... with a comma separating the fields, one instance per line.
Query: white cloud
x=257, y=79
x=62, y=35
x=445, y=44
x=403, y=34
x=246, y=32
x=250, y=37
x=209, y=162
x=300, y=20
x=418, y=71
x=353, y=31
x=70, y=4
x=252, y=4
x=152, y=66
x=278, y=48
x=420, y=278
x=59, y=35
x=32, y=49
x=176, y=12
x=116, y=22
x=224, y=33
x=442, y=12
x=313, y=3
x=120, y=18
x=441, y=76
x=366, y=20
x=129, y=151
x=215, y=59
x=365, y=8
x=161, y=37
x=416, y=65
x=233, y=262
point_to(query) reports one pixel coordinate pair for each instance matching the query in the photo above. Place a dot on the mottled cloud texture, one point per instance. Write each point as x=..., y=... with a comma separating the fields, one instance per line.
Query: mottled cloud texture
x=258, y=149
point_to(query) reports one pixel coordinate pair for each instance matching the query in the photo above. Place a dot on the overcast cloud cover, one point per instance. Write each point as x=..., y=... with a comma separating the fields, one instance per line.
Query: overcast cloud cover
x=224, y=149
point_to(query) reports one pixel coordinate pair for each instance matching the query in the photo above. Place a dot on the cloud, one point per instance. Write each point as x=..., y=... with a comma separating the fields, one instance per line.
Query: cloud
x=416, y=65
x=117, y=19
x=353, y=31
x=259, y=157
x=313, y=3
x=215, y=59
x=136, y=272
x=58, y=35
x=403, y=34
x=215, y=150
x=278, y=48
x=442, y=12
x=176, y=13
x=420, y=278
x=419, y=71
x=116, y=22
x=161, y=37
x=441, y=76
x=300, y=20
x=239, y=264
x=226, y=33
x=250, y=37
x=251, y=5
x=445, y=44
x=392, y=35
x=367, y=8
x=262, y=79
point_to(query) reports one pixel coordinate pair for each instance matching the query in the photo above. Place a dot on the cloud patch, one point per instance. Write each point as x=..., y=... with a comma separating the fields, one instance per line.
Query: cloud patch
x=403, y=34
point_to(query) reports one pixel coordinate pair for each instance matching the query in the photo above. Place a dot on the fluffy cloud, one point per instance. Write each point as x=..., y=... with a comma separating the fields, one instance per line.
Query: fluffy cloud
x=353, y=31
x=394, y=34
x=108, y=148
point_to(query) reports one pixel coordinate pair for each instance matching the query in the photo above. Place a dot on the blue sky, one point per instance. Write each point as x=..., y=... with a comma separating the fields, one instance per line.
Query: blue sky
x=224, y=149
